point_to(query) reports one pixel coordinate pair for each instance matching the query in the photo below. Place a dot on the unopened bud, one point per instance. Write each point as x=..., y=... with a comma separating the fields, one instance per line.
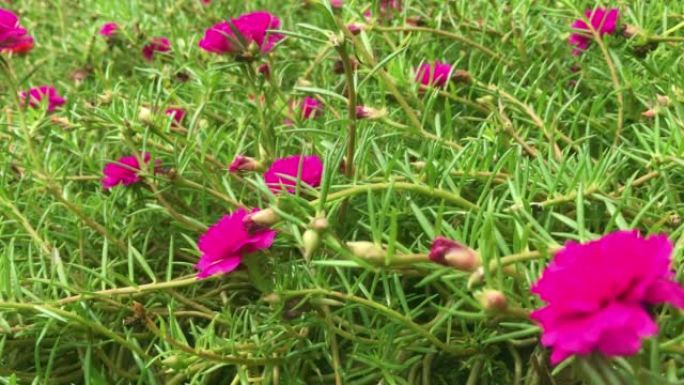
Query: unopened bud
x=650, y=113
x=260, y=219
x=485, y=100
x=61, y=121
x=464, y=259
x=363, y=112
x=106, y=97
x=272, y=298
x=145, y=115
x=663, y=100
x=631, y=30
x=244, y=163
x=451, y=253
x=311, y=240
x=475, y=278
x=366, y=250
x=492, y=300
x=319, y=224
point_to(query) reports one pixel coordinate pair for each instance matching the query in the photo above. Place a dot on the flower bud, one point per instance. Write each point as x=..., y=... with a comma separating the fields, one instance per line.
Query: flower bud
x=244, y=163
x=106, y=97
x=451, y=253
x=663, y=100
x=366, y=250
x=475, y=278
x=145, y=115
x=260, y=219
x=492, y=300
x=363, y=112
x=461, y=76
x=319, y=224
x=311, y=240
x=272, y=298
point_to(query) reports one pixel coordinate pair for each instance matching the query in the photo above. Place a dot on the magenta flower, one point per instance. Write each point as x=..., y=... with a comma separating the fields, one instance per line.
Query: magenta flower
x=124, y=171
x=176, y=113
x=598, y=293
x=109, y=29
x=157, y=44
x=253, y=28
x=13, y=37
x=436, y=75
x=310, y=108
x=284, y=172
x=226, y=242
x=603, y=20
x=43, y=94
x=337, y=3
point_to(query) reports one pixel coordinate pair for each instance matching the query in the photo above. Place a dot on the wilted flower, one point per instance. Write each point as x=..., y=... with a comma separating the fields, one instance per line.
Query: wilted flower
x=244, y=163
x=284, y=172
x=43, y=94
x=436, y=75
x=124, y=171
x=228, y=241
x=602, y=20
x=310, y=108
x=598, y=294
x=13, y=37
x=253, y=28
x=109, y=29
x=156, y=44
x=451, y=253
x=176, y=113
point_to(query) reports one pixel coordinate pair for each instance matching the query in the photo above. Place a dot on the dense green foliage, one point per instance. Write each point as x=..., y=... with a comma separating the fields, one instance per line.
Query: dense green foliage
x=98, y=287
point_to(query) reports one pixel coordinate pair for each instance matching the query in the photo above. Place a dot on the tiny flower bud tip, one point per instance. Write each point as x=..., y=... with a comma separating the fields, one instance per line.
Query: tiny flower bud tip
x=145, y=115
x=493, y=300
x=319, y=224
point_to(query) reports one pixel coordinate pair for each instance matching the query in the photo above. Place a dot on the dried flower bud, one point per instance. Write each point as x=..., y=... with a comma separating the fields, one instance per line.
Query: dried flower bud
x=61, y=121
x=366, y=250
x=631, y=30
x=145, y=115
x=311, y=240
x=492, y=300
x=461, y=76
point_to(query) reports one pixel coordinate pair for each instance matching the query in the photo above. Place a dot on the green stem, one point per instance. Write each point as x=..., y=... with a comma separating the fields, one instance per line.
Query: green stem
x=402, y=186
x=449, y=348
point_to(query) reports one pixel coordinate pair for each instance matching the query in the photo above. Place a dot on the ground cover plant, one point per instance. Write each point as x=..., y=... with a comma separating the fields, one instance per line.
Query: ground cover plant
x=341, y=192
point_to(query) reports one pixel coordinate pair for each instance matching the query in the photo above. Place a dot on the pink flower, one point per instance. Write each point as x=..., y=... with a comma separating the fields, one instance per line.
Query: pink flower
x=436, y=75
x=602, y=20
x=43, y=94
x=157, y=44
x=243, y=163
x=597, y=294
x=253, y=29
x=285, y=172
x=13, y=37
x=337, y=3
x=124, y=171
x=109, y=29
x=206, y=2
x=176, y=113
x=311, y=108
x=225, y=244
x=390, y=6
